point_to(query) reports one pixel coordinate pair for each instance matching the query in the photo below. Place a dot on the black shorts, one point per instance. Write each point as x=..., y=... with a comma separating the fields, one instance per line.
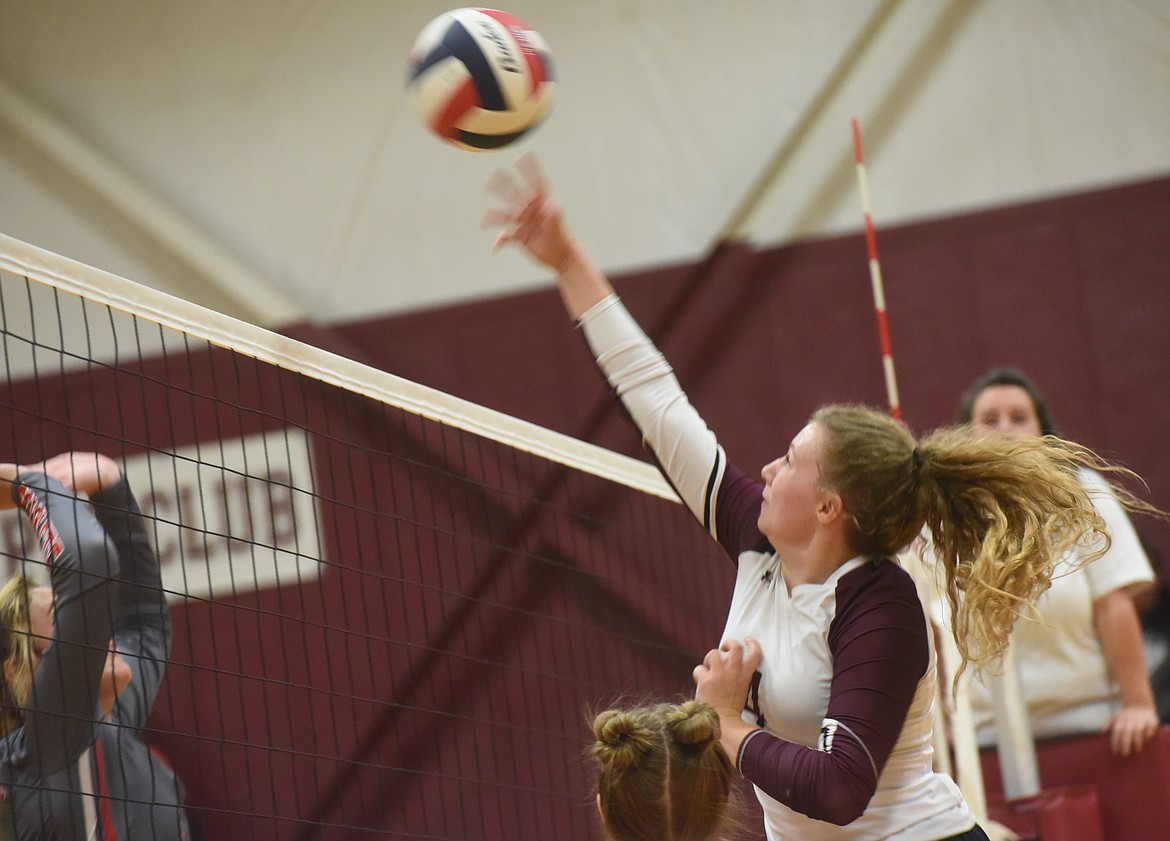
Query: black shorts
x=975, y=833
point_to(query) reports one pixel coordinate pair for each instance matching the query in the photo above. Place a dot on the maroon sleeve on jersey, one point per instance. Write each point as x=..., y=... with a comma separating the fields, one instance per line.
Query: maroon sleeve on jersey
x=880, y=651
x=737, y=513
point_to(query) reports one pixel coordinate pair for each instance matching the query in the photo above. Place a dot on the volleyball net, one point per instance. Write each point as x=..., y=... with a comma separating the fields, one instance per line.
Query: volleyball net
x=393, y=609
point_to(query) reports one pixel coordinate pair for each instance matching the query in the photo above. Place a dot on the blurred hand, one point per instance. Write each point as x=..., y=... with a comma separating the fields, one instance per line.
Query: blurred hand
x=1130, y=729
x=8, y=472
x=529, y=216
x=82, y=473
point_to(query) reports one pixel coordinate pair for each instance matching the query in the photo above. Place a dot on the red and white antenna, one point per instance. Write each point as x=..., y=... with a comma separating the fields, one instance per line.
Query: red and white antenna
x=875, y=274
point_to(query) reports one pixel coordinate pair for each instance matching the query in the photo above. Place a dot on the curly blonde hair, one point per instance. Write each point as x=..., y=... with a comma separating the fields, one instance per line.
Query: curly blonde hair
x=1001, y=513
x=663, y=775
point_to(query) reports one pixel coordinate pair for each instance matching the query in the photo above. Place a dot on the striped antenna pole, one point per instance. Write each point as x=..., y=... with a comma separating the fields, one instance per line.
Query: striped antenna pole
x=875, y=274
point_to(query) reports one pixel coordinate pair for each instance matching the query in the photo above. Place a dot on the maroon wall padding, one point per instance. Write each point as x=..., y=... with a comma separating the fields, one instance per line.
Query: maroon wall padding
x=435, y=682
x=1074, y=290
x=1132, y=793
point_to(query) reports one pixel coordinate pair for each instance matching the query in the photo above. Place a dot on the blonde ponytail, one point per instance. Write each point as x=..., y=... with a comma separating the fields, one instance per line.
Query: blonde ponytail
x=1002, y=513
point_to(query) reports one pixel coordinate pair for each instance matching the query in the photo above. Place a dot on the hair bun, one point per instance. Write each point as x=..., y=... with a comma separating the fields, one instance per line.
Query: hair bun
x=694, y=725
x=621, y=739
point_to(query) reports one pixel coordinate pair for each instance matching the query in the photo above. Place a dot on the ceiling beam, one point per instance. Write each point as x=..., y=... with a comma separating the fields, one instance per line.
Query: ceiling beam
x=803, y=188
x=259, y=300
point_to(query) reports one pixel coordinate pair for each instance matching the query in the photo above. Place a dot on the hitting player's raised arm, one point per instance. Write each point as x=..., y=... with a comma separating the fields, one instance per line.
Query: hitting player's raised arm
x=685, y=448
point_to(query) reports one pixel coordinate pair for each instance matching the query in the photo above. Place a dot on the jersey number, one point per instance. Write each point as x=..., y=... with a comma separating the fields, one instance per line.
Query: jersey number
x=753, y=700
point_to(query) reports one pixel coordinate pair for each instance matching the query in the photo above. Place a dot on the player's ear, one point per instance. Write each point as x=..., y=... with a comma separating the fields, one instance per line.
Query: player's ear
x=601, y=812
x=830, y=508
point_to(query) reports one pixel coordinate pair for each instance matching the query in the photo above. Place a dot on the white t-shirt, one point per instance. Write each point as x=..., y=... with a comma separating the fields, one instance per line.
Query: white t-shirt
x=1063, y=674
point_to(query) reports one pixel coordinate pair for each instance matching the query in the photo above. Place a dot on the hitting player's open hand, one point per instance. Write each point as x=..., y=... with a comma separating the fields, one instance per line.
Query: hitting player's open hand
x=529, y=216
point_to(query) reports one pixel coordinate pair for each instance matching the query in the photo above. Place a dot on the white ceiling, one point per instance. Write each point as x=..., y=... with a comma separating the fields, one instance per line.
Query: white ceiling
x=260, y=156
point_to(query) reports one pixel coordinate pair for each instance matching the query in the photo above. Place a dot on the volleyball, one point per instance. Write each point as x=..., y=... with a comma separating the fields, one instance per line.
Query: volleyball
x=480, y=78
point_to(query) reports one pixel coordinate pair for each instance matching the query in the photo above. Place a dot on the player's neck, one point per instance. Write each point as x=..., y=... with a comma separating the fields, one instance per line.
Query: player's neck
x=814, y=563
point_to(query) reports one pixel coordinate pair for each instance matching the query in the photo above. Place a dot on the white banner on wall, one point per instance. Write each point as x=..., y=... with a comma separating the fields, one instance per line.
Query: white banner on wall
x=227, y=517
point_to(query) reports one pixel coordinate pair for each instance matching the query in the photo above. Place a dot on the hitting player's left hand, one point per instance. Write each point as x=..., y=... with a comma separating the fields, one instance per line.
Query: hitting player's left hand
x=724, y=676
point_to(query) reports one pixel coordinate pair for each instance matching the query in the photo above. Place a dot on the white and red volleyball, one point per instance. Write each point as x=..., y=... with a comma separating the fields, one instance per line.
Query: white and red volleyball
x=480, y=78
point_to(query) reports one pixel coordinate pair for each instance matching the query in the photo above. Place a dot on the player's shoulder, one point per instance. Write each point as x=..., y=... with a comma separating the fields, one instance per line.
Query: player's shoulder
x=875, y=600
x=878, y=582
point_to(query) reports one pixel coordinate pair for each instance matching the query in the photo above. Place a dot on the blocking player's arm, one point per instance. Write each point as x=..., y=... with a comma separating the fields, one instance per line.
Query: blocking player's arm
x=83, y=569
x=142, y=620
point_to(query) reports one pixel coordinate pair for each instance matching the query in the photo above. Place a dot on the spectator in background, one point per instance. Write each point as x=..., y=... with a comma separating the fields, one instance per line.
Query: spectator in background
x=1082, y=664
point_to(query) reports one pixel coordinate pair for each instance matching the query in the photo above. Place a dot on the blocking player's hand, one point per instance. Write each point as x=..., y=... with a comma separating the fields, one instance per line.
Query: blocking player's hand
x=82, y=473
x=8, y=473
